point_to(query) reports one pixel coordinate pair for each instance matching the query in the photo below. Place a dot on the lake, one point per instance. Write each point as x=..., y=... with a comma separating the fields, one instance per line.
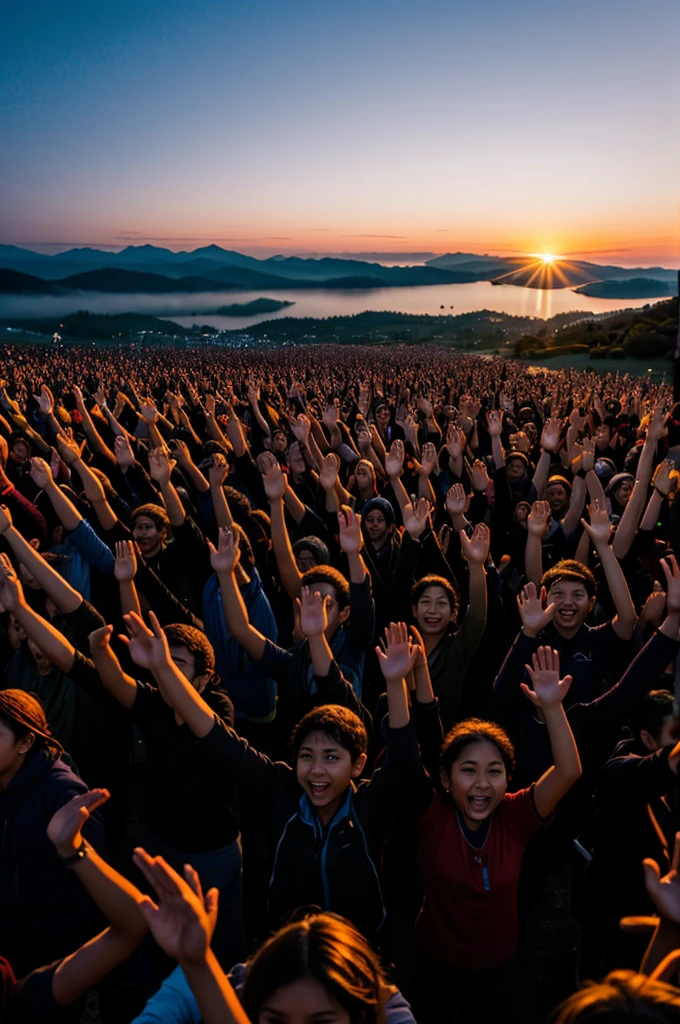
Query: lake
x=455, y=298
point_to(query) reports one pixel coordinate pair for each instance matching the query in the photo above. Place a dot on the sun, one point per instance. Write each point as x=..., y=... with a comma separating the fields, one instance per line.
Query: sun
x=546, y=257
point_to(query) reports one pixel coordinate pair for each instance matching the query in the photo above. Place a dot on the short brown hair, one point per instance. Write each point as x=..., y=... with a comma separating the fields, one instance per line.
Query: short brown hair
x=327, y=574
x=622, y=996
x=476, y=730
x=154, y=512
x=341, y=724
x=181, y=635
x=575, y=572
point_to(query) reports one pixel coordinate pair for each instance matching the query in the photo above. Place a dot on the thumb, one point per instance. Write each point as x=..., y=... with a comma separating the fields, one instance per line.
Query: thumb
x=155, y=625
x=148, y=909
x=566, y=683
x=652, y=876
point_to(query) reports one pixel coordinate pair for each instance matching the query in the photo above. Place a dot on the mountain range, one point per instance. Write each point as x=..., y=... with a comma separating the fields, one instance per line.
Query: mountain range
x=153, y=269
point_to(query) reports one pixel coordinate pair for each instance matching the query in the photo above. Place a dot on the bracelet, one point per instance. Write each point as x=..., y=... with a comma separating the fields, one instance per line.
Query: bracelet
x=80, y=854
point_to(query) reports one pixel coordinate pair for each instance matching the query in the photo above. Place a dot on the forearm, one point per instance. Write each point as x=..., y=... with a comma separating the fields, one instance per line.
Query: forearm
x=294, y=505
x=129, y=599
x=216, y=999
x=425, y=489
x=357, y=567
x=223, y=516
x=566, y=760
x=259, y=419
x=497, y=452
x=476, y=613
x=397, y=703
x=533, y=558
x=173, y=505
x=121, y=686
x=540, y=478
x=618, y=588
x=94, y=437
x=627, y=528
x=321, y=655
x=236, y=617
x=652, y=512
x=399, y=491
x=595, y=488
x=186, y=701
x=55, y=586
x=116, y=898
x=283, y=552
x=68, y=514
x=214, y=429
x=53, y=644
x=194, y=476
x=576, y=505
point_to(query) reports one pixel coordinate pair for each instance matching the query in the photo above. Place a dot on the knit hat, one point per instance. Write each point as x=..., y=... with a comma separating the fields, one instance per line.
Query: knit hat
x=557, y=478
x=317, y=547
x=382, y=505
x=515, y=453
x=617, y=480
x=604, y=469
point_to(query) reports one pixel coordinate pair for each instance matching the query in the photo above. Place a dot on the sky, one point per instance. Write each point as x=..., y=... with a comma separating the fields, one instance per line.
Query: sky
x=343, y=126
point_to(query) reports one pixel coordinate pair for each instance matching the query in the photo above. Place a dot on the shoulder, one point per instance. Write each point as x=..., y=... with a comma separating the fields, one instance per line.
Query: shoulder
x=440, y=813
x=518, y=815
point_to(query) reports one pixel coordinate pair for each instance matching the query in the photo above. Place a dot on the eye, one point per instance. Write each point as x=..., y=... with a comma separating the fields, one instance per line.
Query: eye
x=331, y=757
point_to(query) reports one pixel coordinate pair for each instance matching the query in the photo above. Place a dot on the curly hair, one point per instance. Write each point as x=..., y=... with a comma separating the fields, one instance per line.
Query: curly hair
x=476, y=730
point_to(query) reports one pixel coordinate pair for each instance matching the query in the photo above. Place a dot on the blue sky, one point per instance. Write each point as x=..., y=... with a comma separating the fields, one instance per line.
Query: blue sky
x=328, y=126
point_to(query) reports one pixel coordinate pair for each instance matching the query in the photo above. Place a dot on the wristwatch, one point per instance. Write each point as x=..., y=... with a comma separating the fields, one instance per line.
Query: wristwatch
x=80, y=854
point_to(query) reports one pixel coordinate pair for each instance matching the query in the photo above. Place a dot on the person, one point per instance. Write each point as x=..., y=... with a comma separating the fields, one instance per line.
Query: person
x=45, y=913
x=471, y=841
x=326, y=827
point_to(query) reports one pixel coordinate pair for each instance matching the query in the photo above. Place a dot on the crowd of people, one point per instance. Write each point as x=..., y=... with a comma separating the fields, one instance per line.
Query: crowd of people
x=317, y=665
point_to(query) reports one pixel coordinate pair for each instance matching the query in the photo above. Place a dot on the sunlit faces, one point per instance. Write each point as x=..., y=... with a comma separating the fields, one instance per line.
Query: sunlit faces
x=603, y=435
x=572, y=605
x=477, y=781
x=186, y=663
x=382, y=416
x=336, y=616
x=148, y=536
x=279, y=441
x=557, y=496
x=433, y=612
x=305, y=1001
x=376, y=526
x=324, y=770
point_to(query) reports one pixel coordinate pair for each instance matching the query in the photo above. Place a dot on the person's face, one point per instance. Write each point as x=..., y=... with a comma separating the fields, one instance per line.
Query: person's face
x=531, y=431
x=382, y=416
x=602, y=435
x=42, y=664
x=305, y=560
x=623, y=492
x=572, y=605
x=148, y=536
x=364, y=474
x=20, y=451
x=376, y=526
x=279, y=442
x=515, y=470
x=324, y=770
x=433, y=611
x=333, y=613
x=295, y=459
x=666, y=737
x=12, y=753
x=557, y=497
x=186, y=663
x=304, y=1001
x=477, y=782
x=522, y=511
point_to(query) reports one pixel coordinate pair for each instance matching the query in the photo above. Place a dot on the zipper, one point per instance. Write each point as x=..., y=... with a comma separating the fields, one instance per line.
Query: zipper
x=485, y=872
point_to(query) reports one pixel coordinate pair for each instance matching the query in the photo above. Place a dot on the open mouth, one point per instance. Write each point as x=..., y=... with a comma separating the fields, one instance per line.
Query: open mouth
x=479, y=803
x=319, y=788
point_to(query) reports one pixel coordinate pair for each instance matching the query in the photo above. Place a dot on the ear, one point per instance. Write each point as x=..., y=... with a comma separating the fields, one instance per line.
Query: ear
x=359, y=765
x=591, y=603
x=344, y=614
x=445, y=780
x=27, y=743
x=648, y=740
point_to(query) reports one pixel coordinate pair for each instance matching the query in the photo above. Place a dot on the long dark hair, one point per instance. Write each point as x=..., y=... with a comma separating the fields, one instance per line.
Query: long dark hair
x=23, y=714
x=327, y=948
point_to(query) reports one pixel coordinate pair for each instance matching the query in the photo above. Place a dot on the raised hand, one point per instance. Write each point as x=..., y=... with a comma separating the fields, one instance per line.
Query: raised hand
x=328, y=477
x=148, y=411
x=665, y=892
x=180, y=450
x=494, y=422
x=160, y=466
x=45, y=401
x=11, y=591
x=588, y=457
x=455, y=441
x=100, y=639
x=394, y=460
x=68, y=449
x=479, y=475
x=148, y=647
x=537, y=520
x=599, y=528
x=475, y=549
x=330, y=416
x=253, y=393
x=364, y=441
x=416, y=516
x=546, y=686
x=301, y=427
x=397, y=654
x=672, y=574
x=182, y=922
x=125, y=457
x=657, y=425
x=349, y=525
x=550, y=438
x=665, y=479
x=457, y=501
x=534, y=611
x=273, y=478
x=225, y=557
x=428, y=459
x=520, y=442
x=65, y=824
x=41, y=474
x=125, y=565
x=312, y=607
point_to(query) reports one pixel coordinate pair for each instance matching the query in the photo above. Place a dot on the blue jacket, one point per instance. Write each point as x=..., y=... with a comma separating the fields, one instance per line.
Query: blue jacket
x=252, y=694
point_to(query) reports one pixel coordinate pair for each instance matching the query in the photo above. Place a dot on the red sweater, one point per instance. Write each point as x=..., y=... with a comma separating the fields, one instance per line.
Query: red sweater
x=469, y=916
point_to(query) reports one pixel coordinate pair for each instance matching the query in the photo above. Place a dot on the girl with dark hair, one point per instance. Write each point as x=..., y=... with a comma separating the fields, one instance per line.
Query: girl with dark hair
x=45, y=913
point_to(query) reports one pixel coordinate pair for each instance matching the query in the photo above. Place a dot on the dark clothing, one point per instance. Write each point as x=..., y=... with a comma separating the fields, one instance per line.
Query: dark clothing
x=185, y=803
x=336, y=867
x=44, y=910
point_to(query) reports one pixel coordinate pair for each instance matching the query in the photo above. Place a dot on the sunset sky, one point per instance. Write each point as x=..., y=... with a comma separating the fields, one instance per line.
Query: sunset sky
x=336, y=126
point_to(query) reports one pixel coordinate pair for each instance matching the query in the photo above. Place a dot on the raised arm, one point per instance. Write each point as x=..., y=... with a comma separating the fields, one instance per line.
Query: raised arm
x=224, y=560
x=125, y=569
x=275, y=488
x=53, y=644
x=55, y=586
x=475, y=551
x=537, y=527
x=599, y=530
x=630, y=519
x=547, y=692
x=120, y=685
x=160, y=469
x=117, y=899
x=394, y=467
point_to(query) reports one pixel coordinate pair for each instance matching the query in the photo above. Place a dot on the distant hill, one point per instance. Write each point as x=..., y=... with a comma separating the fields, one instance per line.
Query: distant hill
x=131, y=281
x=13, y=282
x=253, y=308
x=635, y=288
